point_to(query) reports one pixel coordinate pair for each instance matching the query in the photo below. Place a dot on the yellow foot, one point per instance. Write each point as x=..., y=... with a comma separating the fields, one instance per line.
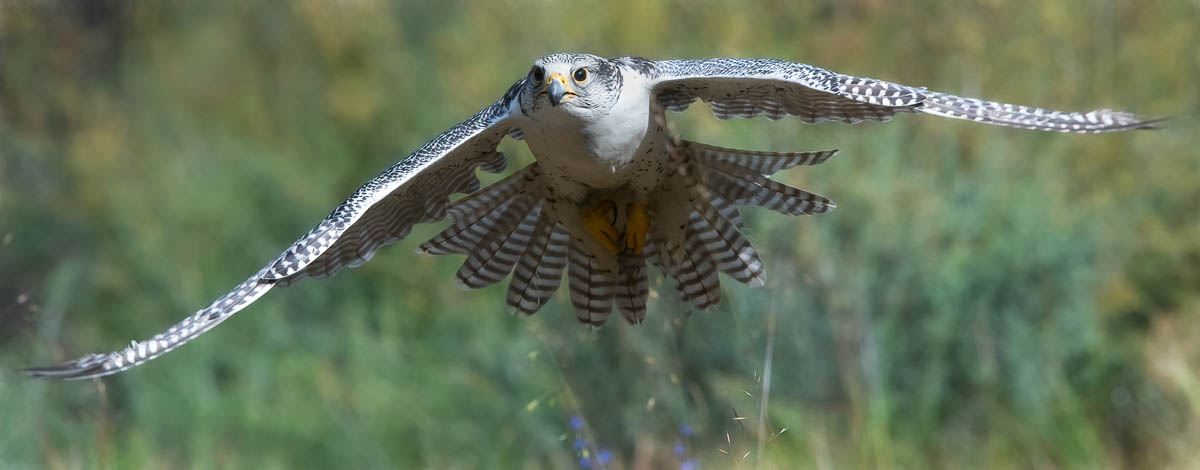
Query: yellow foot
x=637, y=225
x=598, y=219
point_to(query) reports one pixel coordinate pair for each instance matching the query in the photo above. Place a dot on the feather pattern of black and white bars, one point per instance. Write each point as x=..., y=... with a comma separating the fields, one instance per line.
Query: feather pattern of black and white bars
x=503, y=230
x=777, y=88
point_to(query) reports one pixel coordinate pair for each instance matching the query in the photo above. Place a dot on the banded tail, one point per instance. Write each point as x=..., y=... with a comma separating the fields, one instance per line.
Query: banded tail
x=696, y=232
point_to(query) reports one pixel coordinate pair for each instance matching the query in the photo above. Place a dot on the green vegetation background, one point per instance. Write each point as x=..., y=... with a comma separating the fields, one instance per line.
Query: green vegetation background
x=982, y=297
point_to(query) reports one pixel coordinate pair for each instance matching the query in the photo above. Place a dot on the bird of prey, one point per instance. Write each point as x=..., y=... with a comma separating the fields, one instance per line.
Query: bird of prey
x=612, y=188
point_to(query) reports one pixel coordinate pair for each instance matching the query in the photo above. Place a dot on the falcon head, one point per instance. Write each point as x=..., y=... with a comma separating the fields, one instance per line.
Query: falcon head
x=579, y=84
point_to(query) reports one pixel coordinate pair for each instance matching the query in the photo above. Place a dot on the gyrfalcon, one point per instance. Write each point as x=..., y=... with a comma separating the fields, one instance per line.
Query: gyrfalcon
x=612, y=188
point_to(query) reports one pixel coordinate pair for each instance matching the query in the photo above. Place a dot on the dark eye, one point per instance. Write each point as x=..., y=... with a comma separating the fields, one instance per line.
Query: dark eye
x=581, y=75
x=538, y=74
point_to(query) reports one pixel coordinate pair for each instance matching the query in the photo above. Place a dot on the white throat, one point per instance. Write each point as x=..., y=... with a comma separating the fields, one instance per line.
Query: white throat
x=591, y=147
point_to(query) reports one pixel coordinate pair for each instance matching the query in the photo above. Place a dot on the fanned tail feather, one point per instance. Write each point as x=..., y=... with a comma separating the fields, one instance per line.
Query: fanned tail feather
x=756, y=190
x=539, y=270
x=496, y=257
x=590, y=286
x=697, y=232
x=474, y=215
x=729, y=249
x=758, y=163
x=712, y=238
x=479, y=204
x=495, y=228
x=463, y=237
x=633, y=289
x=691, y=268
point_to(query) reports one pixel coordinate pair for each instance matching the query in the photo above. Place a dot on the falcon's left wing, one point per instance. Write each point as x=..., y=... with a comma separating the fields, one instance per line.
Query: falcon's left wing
x=382, y=211
x=749, y=87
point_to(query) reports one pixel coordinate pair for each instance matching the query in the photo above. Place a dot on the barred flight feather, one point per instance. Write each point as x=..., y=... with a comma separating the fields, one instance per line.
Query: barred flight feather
x=391, y=219
x=750, y=87
x=775, y=99
x=726, y=209
x=1025, y=117
x=462, y=237
x=539, y=270
x=492, y=261
x=705, y=268
x=729, y=249
x=589, y=284
x=631, y=293
x=712, y=237
x=760, y=163
x=476, y=205
x=755, y=190
x=139, y=352
x=695, y=274
x=475, y=214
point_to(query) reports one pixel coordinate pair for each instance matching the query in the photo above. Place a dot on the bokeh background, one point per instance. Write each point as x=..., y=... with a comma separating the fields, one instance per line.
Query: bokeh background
x=982, y=298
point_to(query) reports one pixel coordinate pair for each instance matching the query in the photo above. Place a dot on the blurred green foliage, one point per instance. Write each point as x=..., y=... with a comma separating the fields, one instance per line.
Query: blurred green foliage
x=982, y=298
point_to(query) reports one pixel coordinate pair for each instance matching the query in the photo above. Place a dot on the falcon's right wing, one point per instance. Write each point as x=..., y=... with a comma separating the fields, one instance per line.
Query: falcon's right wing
x=382, y=211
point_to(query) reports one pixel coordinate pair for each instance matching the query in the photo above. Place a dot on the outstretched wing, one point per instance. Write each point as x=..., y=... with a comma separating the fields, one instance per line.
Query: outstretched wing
x=415, y=189
x=749, y=87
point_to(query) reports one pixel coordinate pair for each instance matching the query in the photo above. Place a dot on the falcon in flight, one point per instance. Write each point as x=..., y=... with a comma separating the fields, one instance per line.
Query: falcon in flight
x=612, y=188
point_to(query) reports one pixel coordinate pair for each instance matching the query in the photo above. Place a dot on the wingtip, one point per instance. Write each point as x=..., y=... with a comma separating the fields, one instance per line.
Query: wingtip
x=83, y=368
x=1154, y=124
x=66, y=371
x=39, y=371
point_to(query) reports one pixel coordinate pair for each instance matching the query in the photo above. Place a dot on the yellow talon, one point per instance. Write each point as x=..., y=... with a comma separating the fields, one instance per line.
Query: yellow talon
x=637, y=225
x=598, y=219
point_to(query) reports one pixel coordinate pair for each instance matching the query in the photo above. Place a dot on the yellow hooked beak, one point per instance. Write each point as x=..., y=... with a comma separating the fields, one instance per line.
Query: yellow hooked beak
x=558, y=89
